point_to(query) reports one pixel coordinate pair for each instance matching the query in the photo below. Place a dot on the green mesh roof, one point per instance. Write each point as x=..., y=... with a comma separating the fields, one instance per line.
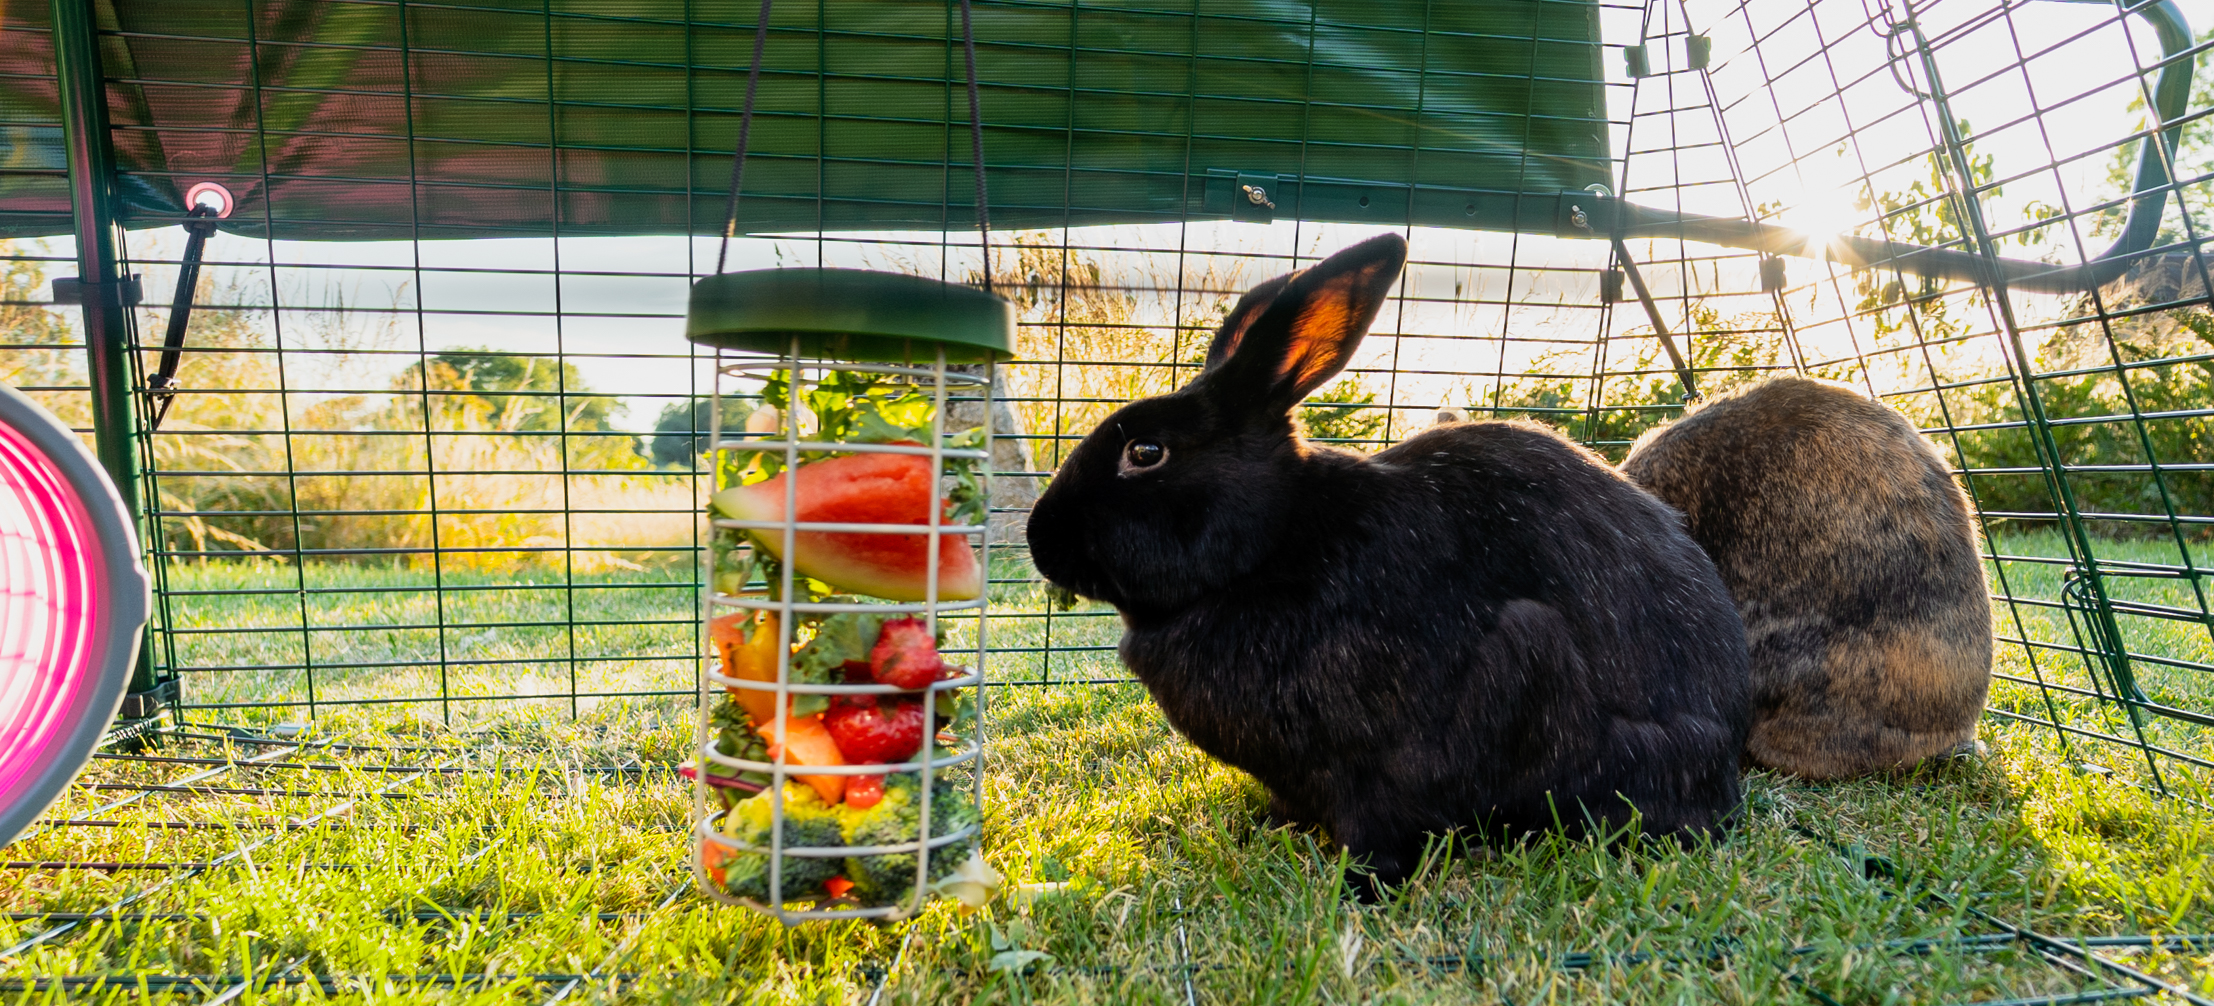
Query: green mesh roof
x=357, y=119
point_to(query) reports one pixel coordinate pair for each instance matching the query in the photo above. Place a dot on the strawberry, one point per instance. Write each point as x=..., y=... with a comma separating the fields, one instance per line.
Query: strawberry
x=870, y=732
x=905, y=656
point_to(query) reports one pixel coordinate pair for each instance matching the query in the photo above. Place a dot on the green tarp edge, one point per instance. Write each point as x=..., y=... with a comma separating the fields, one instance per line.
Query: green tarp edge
x=369, y=119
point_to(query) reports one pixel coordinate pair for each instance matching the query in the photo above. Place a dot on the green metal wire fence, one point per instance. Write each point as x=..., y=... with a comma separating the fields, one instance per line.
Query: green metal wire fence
x=450, y=471
x=426, y=471
x=410, y=468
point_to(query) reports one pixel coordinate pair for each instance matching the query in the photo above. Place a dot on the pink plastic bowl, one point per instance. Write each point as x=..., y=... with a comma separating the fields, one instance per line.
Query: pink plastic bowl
x=72, y=606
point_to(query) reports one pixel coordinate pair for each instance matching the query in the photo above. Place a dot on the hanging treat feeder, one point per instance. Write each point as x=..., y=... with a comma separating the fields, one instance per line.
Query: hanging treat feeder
x=837, y=771
x=839, y=753
x=73, y=602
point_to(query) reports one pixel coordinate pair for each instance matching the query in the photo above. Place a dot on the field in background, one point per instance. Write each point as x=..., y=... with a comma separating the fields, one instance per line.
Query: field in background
x=373, y=635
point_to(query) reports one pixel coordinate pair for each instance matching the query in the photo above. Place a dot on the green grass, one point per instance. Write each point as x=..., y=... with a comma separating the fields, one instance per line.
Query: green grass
x=1170, y=878
x=289, y=644
x=2162, y=616
x=243, y=633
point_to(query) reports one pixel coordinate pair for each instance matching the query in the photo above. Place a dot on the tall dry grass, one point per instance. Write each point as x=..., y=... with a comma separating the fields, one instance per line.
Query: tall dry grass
x=434, y=470
x=1086, y=346
x=40, y=352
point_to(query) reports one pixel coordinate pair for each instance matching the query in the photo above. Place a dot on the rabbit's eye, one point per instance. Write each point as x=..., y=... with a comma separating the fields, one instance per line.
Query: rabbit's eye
x=1138, y=455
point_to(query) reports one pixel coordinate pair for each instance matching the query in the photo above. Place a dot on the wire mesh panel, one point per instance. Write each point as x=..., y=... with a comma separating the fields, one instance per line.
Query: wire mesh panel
x=455, y=476
x=463, y=464
x=2076, y=414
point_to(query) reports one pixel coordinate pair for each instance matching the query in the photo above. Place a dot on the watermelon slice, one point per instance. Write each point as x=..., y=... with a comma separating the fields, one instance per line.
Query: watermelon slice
x=862, y=489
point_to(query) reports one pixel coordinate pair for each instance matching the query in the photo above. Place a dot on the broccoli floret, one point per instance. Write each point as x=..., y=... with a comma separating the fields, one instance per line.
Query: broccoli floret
x=890, y=877
x=808, y=823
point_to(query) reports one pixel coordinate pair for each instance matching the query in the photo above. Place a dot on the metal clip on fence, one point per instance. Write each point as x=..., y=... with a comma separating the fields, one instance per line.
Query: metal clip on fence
x=2102, y=649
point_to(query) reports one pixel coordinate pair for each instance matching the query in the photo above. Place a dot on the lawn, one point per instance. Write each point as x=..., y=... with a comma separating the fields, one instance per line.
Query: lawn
x=543, y=856
x=2159, y=594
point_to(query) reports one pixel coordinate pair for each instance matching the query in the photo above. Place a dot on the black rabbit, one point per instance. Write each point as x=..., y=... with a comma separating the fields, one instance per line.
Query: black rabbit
x=1853, y=560
x=1483, y=628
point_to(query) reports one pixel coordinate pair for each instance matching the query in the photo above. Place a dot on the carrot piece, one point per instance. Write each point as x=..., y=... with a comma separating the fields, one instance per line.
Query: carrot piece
x=724, y=628
x=837, y=886
x=807, y=743
x=715, y=856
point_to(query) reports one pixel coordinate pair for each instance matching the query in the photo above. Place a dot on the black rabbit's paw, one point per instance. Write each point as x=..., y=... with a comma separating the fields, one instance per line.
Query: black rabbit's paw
x=1280, y=815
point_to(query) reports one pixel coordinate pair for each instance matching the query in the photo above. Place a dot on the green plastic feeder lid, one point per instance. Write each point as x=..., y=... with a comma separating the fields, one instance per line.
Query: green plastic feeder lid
x=850, y=314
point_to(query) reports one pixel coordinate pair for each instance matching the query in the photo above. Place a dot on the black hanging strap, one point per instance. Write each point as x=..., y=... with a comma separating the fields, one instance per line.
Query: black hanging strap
x=976, y=147
x=745, y=131
x=745, y=136
x=162, y=389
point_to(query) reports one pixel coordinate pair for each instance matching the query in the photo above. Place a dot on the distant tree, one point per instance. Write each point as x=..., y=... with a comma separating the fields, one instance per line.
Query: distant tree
x=513, y=393
x=680, y=435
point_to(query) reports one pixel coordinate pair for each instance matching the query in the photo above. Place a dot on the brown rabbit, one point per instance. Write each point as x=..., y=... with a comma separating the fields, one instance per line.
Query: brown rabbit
x=1850, y=553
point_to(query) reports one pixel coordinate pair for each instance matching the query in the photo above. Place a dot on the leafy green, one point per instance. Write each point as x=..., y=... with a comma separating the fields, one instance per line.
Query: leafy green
x=882, y=420
x=847, y=635
x=966, y=501
x=736, y=738
x=732, y=562
x=858, y=408
x=954, y=707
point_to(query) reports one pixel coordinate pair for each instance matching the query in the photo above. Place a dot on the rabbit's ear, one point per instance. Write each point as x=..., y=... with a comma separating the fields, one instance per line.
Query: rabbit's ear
x=1307, y=331
x=1242, y=317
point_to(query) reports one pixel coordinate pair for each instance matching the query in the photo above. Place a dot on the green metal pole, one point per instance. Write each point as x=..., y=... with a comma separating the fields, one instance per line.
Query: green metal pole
x=107, y=326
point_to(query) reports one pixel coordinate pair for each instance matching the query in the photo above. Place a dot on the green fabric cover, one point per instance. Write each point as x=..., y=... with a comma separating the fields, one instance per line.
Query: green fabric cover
x=318, y=114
